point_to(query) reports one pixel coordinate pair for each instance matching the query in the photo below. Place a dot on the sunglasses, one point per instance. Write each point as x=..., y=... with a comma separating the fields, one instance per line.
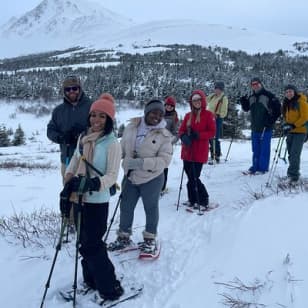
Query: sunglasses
x=69, y=89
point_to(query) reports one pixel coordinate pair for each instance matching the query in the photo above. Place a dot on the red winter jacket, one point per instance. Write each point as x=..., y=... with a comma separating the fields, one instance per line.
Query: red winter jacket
x=198, y=151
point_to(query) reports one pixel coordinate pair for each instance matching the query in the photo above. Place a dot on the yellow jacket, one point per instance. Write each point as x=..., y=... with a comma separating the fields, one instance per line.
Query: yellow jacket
x=218, y=105
x=298, y=115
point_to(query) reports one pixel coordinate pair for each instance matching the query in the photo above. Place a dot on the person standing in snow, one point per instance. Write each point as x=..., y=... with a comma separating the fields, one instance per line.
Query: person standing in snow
x=264, y=109
x=217, y=103
x=197, y=128
x=147, y=151
x=295, y=116
x=68, y=120
x=100, y=148
x=172, y=124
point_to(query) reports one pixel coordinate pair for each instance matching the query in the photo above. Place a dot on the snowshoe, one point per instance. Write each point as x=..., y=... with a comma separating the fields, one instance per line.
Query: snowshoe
x=149, y=249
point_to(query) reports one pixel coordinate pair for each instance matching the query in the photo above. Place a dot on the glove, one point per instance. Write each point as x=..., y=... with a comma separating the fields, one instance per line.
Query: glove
x=286, y=128
x=134, y=163
x=194, y=135
x=243, y=99
x=186, y=140
x=93, y=184
x=65, y=204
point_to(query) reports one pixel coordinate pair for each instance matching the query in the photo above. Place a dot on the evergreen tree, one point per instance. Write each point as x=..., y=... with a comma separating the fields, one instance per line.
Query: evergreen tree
x=19, y=136
x=4, y=138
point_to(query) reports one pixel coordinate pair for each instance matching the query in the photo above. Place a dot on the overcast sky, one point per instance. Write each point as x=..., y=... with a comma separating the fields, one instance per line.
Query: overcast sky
x=280, y=16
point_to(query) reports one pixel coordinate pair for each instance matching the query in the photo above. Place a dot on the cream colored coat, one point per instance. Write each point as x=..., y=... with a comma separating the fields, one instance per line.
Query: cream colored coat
x=156, y=151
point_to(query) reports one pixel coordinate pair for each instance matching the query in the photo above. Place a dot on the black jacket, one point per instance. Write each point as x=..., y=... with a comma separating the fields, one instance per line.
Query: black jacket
x=264, y=108
x=65, y=118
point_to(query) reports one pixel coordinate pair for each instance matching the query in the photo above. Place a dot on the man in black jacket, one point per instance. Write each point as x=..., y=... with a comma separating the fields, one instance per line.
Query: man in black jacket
x=69, y=119
x=264, y=109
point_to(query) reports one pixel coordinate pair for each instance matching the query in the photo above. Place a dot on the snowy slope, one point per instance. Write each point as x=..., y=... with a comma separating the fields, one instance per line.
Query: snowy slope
x=259, y=242
x=56, y=24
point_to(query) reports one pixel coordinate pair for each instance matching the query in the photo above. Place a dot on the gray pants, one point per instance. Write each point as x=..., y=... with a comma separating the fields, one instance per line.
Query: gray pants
x=149, y=193
x=294, y=145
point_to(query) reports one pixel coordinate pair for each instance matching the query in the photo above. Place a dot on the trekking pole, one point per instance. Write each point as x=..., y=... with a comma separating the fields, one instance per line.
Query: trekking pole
x=79, y=209
x=229, y=148
x=275, y=160
x=58, y=248
x=125, y=179
x=180, y=189
x=262, y=135
x=284, y=158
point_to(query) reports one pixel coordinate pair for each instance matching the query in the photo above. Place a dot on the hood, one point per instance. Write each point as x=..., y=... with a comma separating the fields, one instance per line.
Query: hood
x=203, y=98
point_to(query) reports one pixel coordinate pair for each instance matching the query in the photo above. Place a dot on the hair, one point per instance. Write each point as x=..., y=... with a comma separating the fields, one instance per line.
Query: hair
x=108, y=126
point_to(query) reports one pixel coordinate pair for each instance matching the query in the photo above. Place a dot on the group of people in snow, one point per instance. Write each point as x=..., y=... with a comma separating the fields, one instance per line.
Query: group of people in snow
x=91, y=157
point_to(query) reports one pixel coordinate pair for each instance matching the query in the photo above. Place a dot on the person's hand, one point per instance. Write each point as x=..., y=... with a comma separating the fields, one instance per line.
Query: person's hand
x=134, y=163
x=286, y=128
x=194, y=135
x=87, y=184
x=65, y=204
x=186, y=140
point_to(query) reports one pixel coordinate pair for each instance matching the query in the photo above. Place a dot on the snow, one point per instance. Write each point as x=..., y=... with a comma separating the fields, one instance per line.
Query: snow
x=255, y=240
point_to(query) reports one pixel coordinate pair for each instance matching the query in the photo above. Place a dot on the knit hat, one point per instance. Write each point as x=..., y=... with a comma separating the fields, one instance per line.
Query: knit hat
x=219, y=85
x=106, y=104
x=291, y=87
x=70, y=81
x=170, y=100
x=255, y=79
x=153, y=105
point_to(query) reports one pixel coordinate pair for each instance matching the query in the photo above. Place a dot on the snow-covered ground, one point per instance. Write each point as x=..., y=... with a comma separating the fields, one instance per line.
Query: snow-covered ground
x=248, y=249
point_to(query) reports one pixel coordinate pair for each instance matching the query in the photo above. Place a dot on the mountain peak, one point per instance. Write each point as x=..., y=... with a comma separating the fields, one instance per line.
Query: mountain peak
x=58, y=18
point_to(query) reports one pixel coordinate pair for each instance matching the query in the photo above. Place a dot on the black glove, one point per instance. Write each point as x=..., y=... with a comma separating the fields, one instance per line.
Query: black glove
x=66, y=138
x=93, y=184
x=244, y=99
x=65, y=204
x=186, y=139
x=286, y=128
x=194, y=135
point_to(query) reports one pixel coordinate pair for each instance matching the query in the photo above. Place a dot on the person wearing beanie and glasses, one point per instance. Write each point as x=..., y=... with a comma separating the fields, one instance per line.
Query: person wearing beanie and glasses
x=68, y=120
x=264, y=109
x=172, y=124
x=99, y=146
x=295, y=116
x=147, y=151
x=217, y=103
x=197, y=128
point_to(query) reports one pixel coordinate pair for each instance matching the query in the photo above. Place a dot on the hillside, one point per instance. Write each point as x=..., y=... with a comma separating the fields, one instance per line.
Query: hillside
x=81, y=23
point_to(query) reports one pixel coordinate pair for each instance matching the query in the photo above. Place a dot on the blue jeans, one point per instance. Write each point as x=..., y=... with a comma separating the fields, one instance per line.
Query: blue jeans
x=261, y=150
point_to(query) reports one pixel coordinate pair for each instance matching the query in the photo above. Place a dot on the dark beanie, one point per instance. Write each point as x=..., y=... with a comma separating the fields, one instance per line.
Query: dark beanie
x=219, y=85
x=70, y=81
x=153, y=105
x=255, y=79
x=291, y=87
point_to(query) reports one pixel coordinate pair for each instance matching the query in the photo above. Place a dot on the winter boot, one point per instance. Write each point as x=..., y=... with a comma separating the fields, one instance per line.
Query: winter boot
x=115, y=292
x=120, y=244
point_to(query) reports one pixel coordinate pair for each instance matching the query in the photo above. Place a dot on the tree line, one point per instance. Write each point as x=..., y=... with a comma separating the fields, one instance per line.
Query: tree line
x=134, y=78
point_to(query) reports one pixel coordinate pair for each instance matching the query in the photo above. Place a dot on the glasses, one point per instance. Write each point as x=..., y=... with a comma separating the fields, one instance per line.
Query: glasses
x=254, y=84
x=69, y=89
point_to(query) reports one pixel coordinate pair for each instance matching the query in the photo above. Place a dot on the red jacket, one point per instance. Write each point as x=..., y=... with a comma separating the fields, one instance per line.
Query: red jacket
x=198, y=151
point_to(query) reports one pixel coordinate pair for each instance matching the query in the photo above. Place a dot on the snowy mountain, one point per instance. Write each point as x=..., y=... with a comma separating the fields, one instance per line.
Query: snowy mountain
x=57, y=24
x=58, y=18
